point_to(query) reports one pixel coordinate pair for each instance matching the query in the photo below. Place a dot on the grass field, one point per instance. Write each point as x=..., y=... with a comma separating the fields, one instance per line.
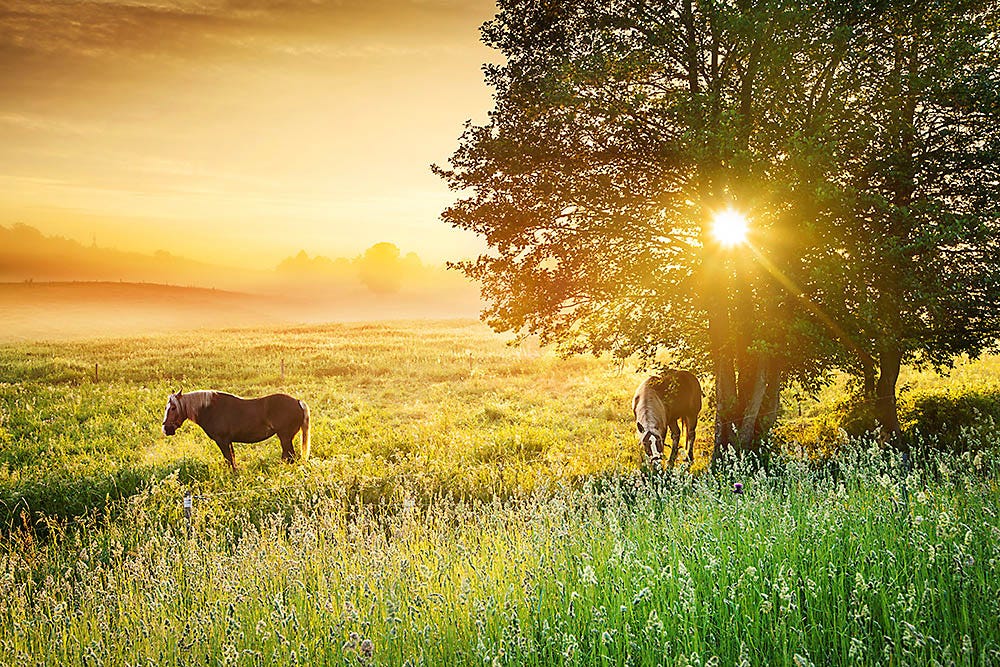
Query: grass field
x=467, y=502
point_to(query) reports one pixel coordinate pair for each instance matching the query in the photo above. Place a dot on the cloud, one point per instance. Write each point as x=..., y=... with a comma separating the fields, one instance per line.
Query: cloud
x=96, y=28
x=59, y=54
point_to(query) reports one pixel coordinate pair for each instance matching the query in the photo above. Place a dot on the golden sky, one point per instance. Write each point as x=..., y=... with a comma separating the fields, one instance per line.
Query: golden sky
x=238, y=131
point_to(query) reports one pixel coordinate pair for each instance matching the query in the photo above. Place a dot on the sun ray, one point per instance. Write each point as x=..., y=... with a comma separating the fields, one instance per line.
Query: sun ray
x=793, y=289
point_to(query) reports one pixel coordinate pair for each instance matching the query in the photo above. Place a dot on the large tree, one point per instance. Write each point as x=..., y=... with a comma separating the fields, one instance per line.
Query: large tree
x=619, y=130
x=911, y=236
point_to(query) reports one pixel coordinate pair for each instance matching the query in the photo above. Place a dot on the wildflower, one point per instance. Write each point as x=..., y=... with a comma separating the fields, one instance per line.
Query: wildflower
x=653, y=623
x=571, y=647
x=643, y=595
x=738, y=487
x=367, y=648
x=856, y=650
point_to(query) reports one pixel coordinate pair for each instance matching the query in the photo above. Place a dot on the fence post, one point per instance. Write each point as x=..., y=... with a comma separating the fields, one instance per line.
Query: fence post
x=282, y=369
x=95, y=374
x=188, y=505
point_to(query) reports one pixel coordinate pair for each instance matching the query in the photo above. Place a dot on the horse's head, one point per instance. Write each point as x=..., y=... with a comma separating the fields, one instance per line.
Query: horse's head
x=652, y=442
x=174, y=415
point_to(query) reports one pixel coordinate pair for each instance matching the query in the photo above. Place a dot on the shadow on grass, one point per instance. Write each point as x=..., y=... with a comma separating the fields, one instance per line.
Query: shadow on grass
x=63, y=496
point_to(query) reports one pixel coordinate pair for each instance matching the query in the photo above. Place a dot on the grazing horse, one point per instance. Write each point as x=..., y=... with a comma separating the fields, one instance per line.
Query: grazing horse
x=227, y=419
x=659, y=403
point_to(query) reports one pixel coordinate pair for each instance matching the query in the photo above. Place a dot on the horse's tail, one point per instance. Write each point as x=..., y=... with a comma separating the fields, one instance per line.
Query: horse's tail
x=305, y=430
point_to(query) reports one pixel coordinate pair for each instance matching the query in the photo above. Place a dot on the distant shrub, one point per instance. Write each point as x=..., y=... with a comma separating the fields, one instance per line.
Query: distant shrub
x=815, y=437
x=944, y=421
x=857, y=415
x=954, y=422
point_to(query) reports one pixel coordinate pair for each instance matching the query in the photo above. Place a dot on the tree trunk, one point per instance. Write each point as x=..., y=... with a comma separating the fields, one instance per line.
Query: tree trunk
x=772, y=404
x=725, y=382
x=886, y=409
x=716, y=290
x=868, y=370
x=751, y=411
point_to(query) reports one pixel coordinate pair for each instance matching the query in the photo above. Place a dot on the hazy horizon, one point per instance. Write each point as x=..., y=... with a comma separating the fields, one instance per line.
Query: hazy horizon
x=28, y=254
x=56, y=288
x=236, y=131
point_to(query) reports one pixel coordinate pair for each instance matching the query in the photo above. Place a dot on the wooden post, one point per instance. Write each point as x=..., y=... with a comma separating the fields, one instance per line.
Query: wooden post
x=96, y=378
x=188, y=506
x=282, y=369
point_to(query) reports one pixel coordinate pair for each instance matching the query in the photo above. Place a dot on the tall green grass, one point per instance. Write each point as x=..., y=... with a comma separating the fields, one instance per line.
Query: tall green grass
x=856, y=564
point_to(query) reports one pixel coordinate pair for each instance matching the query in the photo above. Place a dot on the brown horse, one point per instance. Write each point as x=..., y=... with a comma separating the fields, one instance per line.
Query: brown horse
x=659, y=403
x=227, y=419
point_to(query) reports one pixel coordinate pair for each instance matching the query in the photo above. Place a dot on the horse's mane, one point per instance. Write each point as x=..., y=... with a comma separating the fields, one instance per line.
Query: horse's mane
x=649, y=409
x=193, y=401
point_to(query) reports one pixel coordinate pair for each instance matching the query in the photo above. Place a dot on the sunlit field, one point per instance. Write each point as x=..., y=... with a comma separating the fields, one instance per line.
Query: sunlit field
x=473, y=502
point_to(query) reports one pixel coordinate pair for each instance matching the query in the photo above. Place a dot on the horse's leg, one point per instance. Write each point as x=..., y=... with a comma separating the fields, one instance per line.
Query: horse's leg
x=287, y=448
x=675, y=440
x=227, y=452
x=690, y=426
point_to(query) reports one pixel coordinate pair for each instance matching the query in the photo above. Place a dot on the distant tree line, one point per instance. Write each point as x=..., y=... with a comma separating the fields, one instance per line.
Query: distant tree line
x=382, y=268
x=861, y=138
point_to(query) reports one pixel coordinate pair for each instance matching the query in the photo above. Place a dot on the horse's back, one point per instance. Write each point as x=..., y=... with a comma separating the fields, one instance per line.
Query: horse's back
x=279, y=401
x=690, y=394
x=680, y=392
x=252, y=419
x=261, y=404
x=282, y=409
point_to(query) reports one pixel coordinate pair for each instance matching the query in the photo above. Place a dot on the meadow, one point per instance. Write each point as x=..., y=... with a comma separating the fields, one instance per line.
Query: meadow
x=473, y=502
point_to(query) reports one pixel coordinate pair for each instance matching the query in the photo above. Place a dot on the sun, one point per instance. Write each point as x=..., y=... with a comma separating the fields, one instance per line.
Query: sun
x=730, y=227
